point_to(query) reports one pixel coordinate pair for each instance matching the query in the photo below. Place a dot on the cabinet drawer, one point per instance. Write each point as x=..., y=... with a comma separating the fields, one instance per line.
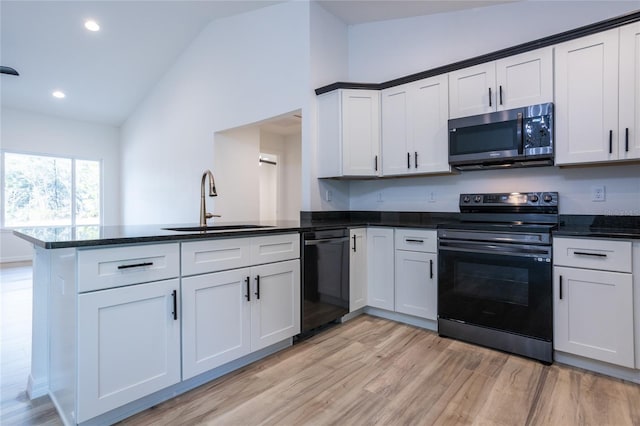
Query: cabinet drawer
x=124, y=265
x=606, y=255
x=200, y=257
x=424, y=240
x=274, y=248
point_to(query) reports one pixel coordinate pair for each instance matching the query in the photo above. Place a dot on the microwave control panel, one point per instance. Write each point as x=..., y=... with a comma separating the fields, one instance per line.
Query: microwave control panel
x=537, y=132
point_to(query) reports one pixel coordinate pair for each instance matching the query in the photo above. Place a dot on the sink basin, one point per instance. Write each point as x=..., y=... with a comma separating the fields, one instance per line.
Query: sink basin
x=215, y=228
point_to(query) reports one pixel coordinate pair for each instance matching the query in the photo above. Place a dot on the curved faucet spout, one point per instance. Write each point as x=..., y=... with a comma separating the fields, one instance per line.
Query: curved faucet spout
x=212, y=193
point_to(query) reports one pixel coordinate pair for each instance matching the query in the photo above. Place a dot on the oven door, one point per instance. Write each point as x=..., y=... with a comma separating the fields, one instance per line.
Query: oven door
x=506, y=287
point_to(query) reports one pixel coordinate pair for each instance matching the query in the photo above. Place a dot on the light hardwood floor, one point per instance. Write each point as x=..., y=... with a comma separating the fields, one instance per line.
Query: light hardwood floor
x=373, y=371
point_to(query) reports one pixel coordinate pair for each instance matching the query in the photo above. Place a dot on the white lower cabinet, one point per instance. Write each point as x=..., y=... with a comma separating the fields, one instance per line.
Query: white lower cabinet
x=216, y=320
x=594, y=314
x=593, y=299
x=232, y=313
x=416, y=274
x=380, y=268
x=357, y=269
x=128, y=345
x=275, y=303
x=416, y=284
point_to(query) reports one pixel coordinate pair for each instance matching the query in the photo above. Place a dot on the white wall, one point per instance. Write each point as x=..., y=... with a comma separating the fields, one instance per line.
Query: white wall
x=289, y=190
x=239, y=70
x=386, y=50
x=329, y=63
x=33, y=133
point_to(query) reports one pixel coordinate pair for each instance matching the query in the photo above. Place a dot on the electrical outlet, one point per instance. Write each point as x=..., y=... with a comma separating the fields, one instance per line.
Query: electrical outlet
x=380, y=197
x=432, y=197
x=328, y=195
x=598, y=193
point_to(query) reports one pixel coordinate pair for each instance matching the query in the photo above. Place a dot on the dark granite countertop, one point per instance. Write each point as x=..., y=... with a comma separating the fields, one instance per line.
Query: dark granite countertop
x=625, y=227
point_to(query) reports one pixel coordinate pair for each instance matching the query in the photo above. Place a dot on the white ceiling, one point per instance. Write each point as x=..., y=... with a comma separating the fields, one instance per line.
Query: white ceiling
x=106, y=74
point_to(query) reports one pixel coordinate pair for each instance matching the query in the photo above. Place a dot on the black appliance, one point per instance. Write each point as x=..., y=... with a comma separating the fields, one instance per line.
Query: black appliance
x=325, y=277
x=495, y=273
x=521, y=137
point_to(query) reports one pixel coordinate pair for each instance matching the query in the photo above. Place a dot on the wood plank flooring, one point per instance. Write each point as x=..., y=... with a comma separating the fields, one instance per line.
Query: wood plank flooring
x=15, y=351
x=366, y=371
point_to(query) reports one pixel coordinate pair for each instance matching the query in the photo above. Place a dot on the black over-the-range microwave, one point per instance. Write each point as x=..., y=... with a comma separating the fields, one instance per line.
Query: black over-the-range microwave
x=520, y=137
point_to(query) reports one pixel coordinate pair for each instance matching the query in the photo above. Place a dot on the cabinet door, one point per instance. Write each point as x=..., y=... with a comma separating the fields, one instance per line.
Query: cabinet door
x=525, y=79
x=360, y=132
x=275, y=303
x=586, y=78
x=129, y=345
x=357, y=269
x=428, y=125
x=629, y=131
x=416, y=284
x=216, y=320
x=472, y=90
x=396, y=159
x=380, y=268
x=593, y=314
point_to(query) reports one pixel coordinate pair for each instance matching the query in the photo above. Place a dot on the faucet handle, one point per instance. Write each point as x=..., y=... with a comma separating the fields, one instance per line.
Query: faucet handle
x=210, y=215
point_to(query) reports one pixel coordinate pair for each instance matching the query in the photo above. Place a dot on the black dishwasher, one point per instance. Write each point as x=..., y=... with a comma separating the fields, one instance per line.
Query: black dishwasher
x=325, y=277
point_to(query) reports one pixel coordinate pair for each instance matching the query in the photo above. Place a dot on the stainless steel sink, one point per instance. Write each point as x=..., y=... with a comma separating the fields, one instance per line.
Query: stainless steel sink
x=215, y=228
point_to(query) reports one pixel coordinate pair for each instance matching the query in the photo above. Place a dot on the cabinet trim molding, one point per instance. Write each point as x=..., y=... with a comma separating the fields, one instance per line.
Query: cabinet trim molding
x=551, y=40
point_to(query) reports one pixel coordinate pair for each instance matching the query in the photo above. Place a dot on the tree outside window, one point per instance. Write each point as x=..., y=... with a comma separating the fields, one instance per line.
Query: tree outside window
x=50, y=191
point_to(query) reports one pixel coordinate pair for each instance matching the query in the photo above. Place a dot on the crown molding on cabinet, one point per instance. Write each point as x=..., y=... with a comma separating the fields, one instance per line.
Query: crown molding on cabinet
x=499, y=54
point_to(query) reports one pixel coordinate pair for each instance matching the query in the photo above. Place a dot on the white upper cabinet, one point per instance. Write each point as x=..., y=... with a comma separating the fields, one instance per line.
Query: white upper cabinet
x=598, y=97
x=586, y=76
x=349, y=133
x=516, y=81
x=414, y=127
x=629, y=128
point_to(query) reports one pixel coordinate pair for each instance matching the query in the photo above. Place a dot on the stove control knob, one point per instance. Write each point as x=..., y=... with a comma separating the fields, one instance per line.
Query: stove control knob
x=466, y=199
x=533, y=198
x=547, y=198
x=477, y=198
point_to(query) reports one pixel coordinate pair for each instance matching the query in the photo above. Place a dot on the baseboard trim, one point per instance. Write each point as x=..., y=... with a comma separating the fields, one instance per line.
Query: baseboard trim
x=600, y=367
x=403, y=318
x=37, y=388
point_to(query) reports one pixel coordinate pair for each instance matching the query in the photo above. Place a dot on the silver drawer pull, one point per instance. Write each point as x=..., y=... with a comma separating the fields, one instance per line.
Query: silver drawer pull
x=410, y=240
x=582, y=253
x=135, y=265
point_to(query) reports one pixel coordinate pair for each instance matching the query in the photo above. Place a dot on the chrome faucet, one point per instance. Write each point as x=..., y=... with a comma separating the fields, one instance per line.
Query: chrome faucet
x=212, y=193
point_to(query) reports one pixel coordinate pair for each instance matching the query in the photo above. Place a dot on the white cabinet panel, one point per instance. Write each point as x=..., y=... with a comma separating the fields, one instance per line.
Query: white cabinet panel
x=380, y=268
x=414, y=128
x=472, y=90
x=525, y=79
x=199, y=257
x=360, y=132
x=416, y=284
x=629, y=129
x=605, y=255
x=275, y=307
x=128, y=345
x=357, y=269
x=101, y=268
x=349, y=133
x=586, y=78
x=593, y=314
x=216, y=320
x=425, y=240
x=275, y=248
x=513, y=82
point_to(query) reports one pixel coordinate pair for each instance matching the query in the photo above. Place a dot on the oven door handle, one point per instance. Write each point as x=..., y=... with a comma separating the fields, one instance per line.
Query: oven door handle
x=506, y=249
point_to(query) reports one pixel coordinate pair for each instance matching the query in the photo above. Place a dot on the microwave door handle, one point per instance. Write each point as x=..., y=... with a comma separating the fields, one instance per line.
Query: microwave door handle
x=519, y=134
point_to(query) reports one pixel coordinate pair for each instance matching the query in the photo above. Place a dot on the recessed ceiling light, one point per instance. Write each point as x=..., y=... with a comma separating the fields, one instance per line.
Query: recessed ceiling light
x=58, y=94
x=92, y=25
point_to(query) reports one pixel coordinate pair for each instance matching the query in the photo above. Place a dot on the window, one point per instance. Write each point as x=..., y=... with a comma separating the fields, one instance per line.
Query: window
x=50, y=191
